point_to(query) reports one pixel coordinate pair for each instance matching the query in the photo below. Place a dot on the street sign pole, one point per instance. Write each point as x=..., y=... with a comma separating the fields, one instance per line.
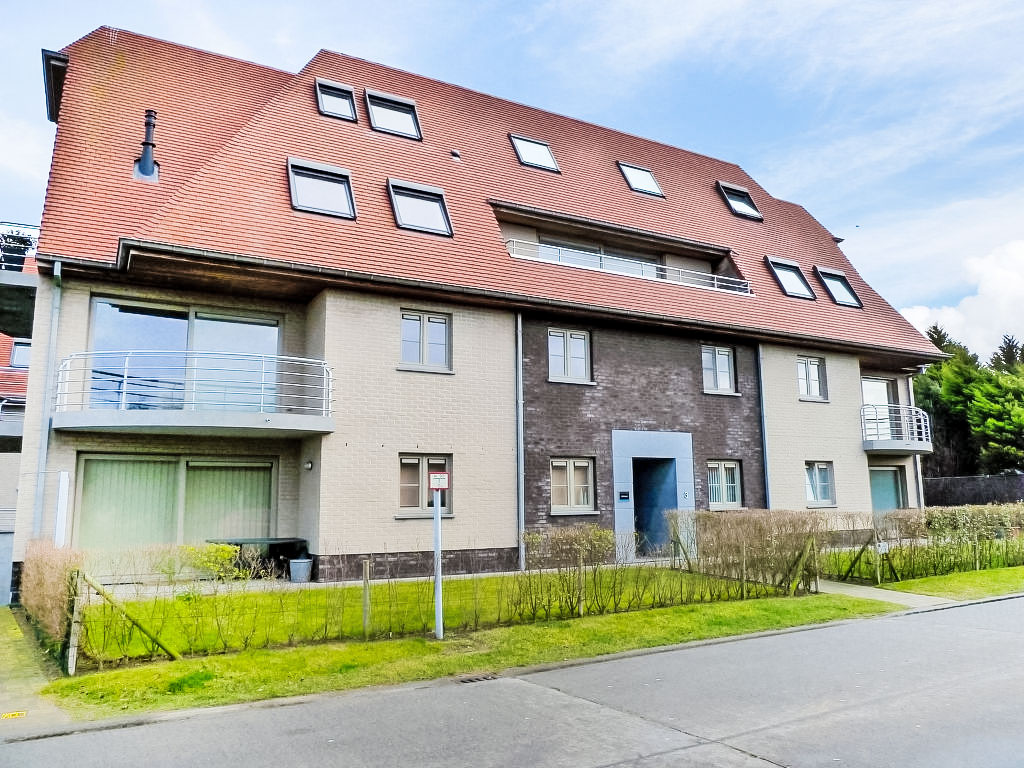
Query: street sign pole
x=439, y=481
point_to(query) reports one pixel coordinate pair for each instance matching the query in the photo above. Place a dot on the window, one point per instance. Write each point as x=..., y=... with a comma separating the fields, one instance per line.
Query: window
x=790, y=278
x=641, y=179
x=426, y=340
x=820, y=484
x=810, y=378
x=724, y=491
x=321, y=188
x=838, y=287
x=739, y=201
x=572, y=486
x=335, y=99
x=393, y=114
x=20, y=353
x=534, y=153
x=568, y=355
x=415, y=499
x=719, y=371
x=419, y=207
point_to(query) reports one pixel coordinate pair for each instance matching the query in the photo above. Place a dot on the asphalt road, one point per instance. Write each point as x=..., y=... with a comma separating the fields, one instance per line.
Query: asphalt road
x=944, y=688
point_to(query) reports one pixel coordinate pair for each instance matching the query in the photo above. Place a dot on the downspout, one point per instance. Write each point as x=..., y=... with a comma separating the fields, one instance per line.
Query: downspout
x=764, y=429
x=918, y=479
x=47, y=410
x=520, y=459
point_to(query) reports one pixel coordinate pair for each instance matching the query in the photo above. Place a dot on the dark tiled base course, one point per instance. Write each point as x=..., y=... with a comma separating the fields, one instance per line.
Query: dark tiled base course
x=16, y=583
x=399, y=565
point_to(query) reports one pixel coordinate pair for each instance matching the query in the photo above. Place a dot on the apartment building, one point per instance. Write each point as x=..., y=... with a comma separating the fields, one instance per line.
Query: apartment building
x=275, y=308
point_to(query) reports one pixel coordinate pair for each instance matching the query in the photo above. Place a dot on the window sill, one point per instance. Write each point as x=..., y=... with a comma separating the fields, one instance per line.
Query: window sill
x=424, y=369
x=573, y=512
x=721, y=392
x=422, y=515
x=572, y=381
x=725, y=508
x=823, y=505
x=813, y=399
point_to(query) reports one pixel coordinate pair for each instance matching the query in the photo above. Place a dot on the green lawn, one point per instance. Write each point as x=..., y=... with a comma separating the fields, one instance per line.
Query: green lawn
x=969, y=585
x=263, y=674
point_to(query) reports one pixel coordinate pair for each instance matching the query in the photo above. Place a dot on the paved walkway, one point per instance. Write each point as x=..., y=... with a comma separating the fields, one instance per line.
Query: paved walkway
x=908, y=599
x=22, y=675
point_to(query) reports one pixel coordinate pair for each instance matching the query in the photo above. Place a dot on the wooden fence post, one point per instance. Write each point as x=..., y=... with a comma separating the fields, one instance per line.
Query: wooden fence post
x=75, y=628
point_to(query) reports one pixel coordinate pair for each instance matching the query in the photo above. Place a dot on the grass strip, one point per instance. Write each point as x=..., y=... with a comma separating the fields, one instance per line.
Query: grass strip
x=265, y=674
x=968, y=585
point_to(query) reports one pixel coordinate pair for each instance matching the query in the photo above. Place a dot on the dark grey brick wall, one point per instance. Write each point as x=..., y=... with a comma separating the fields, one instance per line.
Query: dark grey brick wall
x=980, y=489
x=400, y=565
x=645, y=380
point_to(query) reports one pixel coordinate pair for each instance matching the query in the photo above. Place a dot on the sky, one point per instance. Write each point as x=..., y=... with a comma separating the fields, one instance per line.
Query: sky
x=898, y=124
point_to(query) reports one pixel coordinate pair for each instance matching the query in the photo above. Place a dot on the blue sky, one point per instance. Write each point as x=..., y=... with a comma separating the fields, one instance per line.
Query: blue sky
x=899, y=125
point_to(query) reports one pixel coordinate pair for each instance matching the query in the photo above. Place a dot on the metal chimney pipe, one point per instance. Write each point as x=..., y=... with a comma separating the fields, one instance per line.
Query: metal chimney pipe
x=146, y=165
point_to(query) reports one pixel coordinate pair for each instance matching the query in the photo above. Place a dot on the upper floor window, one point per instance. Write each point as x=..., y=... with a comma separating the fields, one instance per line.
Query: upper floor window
x=838, y=287
x=790, y=278
x=393, y=114
x=426, y=339
x=321, y=188
x=820, y=484
x=719, y=369
x=533, y=153
x=20, y=353
x=335, y=99
x=810, y=377
x=572, y=486
x=419, y=207
x=568, y=355
x=724, y=489
x=641, y=179
x=739, y=201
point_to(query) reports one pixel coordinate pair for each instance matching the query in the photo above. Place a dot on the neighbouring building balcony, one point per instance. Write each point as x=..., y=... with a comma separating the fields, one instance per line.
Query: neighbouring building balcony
x=194, y=393
x=650, y=270
x=12, y=416
x=895, y=429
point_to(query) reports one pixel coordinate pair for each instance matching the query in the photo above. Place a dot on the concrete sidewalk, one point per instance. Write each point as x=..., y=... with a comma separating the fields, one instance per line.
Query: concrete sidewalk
x=908, y=599
x=22, y=674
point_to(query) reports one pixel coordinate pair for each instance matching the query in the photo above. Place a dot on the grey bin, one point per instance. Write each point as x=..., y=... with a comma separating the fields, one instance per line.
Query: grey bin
x=300, y=569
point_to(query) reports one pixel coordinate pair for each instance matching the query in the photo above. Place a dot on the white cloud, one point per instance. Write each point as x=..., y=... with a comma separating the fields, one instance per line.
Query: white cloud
x=980, y=319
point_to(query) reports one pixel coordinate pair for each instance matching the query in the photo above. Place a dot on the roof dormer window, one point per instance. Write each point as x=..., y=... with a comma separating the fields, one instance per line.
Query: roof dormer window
x=320, y=188
x=790, y=278
x=393, y=114
x=335, y=99
x=739, y=201
x=419, y=207
x=838, y=287
x=641, y=179
x=533, y=153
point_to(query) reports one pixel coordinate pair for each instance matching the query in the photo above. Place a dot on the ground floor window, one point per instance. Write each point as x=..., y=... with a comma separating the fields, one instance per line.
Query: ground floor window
x=133, y=501
x=820, y=484
x=724, y=488
x=572, y=485
x=414, y=494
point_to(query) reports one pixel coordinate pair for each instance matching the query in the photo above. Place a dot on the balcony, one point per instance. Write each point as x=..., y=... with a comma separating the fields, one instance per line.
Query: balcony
x=618, y=265
x=193, y=393
x=895, y=430
x=12, y=416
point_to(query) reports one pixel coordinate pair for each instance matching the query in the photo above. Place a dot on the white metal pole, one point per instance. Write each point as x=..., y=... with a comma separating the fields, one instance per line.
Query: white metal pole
x=438, y=607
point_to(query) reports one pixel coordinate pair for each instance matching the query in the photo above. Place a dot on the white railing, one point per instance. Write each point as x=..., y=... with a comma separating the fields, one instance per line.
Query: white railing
x=895, y=422
x=133, y=380
x=12, y=410
x=523, y=249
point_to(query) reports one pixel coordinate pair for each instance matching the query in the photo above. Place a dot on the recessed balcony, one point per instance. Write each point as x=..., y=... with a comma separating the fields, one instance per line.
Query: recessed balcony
x=193, y=393
x=896, y=430
x=619, y=265
x=12, y=416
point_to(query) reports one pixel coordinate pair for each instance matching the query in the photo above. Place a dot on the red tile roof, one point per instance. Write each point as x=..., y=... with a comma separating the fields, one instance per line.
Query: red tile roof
x=13, y=381
x=225, y=129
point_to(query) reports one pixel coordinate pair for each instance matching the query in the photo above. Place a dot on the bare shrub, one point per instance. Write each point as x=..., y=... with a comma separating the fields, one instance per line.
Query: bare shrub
x=47, y=587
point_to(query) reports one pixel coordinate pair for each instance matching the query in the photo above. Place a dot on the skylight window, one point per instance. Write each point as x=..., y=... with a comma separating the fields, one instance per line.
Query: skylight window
x=790, y=278
x=838, y=287
x=641, y=179
x=393, y=114
x=321, y=188
x=335, y=99
x=739, y=200
x=534, y=153
x=419, y=207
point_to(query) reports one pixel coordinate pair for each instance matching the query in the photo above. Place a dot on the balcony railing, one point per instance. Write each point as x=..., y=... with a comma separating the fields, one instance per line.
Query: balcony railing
x=148, y=380
x=12, y=410
x=892, y=428
x=523, y=249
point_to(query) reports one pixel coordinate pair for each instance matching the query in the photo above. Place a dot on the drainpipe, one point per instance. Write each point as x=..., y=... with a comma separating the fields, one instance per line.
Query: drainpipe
x=47, y=410
x=520, y=459
x=918, y=480
x=764, y=429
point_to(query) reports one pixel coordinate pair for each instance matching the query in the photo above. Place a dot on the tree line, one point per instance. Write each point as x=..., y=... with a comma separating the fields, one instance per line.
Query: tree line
x=977, y=408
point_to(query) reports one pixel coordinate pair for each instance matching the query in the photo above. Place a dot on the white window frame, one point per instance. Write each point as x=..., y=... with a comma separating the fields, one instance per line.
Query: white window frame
x=553, y=168
x=330, y=173
x=777, y=265
x=812, y=490
x=824, y=275
x=717, y=351
x=656, y=192
x=17, y=344
x=570, y=463
x=804, y=363
x=721, y=467
x=426, y=463
x=403, y=104
x=349, y=93
x=412, y=189
x=425, y=318
x=564, y=376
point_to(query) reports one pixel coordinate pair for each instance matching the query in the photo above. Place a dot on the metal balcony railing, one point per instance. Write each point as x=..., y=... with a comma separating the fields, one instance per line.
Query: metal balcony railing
x=132, y=380
x=12, y=410
x=523, y=249
x=895, y=422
